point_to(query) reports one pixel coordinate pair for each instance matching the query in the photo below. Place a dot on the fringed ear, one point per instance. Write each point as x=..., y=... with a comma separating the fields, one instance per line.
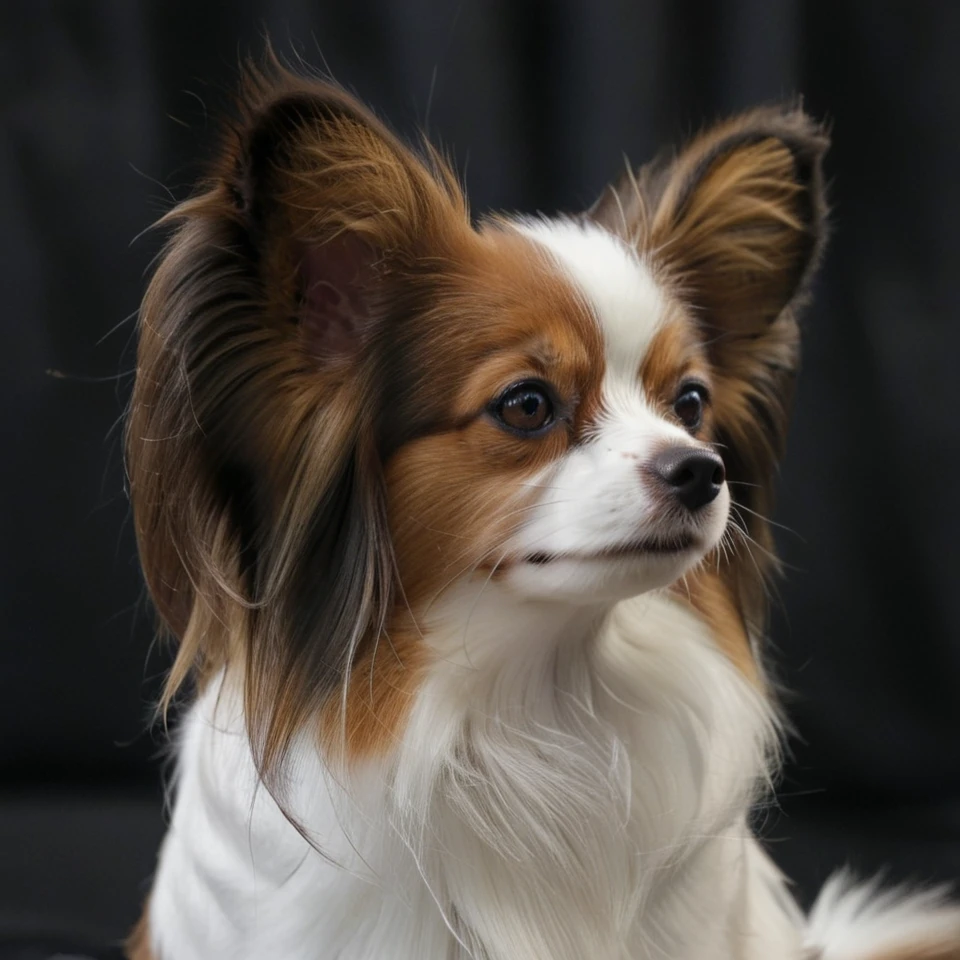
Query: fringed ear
x=740, y=221
x=736, y=219
x=334, y=202
x=252, y=438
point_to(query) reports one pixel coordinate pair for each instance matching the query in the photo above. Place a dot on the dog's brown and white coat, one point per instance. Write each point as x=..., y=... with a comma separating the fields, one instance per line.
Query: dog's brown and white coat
x=462, y=533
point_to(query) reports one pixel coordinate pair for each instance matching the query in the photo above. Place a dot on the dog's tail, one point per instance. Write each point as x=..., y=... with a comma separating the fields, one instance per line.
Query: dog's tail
x=860, y=921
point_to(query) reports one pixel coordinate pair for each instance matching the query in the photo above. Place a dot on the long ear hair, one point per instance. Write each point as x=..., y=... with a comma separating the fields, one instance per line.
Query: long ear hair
x=252, y=447
x=736, y=223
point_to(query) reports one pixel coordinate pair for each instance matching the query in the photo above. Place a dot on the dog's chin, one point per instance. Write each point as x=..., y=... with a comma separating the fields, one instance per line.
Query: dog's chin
x=607, y=574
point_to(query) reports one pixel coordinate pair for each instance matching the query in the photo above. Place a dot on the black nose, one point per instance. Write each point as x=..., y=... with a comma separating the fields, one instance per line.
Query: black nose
x=694, y=477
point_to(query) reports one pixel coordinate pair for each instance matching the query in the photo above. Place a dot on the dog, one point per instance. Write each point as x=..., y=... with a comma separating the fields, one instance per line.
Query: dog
x=462, y=532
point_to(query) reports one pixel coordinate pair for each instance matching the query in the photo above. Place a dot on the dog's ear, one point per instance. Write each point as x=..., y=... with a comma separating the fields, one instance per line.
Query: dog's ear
x=252, y=436
x=736, y=219
x=333, y=202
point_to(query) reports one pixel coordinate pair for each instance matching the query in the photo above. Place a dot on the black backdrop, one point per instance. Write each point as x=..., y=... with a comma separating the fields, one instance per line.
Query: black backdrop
x=107, y=108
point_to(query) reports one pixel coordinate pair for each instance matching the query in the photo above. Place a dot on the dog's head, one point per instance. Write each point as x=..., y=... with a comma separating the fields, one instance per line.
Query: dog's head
x=349, y=398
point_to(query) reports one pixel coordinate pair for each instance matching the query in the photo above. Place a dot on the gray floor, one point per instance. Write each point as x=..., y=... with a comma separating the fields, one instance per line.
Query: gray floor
x=75, y=864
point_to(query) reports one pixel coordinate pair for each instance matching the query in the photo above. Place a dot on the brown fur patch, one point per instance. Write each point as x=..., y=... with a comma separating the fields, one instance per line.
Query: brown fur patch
x=369, y=718
x=676, y=353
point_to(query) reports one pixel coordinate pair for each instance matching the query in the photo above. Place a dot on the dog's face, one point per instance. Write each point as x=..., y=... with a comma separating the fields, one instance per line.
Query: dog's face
x=641, y=496
x=351, y=399
x=570, y=453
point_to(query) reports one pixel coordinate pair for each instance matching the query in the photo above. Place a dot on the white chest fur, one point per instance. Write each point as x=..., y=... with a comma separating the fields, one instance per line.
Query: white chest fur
x=577, y=798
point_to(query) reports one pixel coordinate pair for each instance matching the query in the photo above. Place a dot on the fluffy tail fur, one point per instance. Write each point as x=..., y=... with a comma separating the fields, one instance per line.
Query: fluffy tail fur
x=852, y=921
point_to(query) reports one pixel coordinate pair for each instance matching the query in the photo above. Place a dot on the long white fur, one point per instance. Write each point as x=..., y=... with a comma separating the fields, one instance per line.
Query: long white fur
x=574, y=778
x=852, y=921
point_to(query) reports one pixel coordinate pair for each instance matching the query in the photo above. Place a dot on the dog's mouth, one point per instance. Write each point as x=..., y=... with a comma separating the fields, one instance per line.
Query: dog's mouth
x=651, y=546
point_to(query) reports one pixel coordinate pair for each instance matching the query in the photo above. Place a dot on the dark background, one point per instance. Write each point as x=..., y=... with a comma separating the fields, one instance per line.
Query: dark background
x=107, y=109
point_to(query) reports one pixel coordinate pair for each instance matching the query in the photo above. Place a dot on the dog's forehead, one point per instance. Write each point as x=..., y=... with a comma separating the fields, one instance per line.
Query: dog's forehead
x=620, y=290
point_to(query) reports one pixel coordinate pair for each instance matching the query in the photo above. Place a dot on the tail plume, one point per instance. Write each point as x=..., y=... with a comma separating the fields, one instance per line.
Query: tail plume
x=860, y=921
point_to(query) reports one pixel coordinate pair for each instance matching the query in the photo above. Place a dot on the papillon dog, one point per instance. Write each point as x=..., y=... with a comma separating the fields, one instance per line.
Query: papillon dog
x=461, y=528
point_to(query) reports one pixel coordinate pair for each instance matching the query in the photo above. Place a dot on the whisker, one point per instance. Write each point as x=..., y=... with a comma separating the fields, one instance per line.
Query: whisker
x=749, y=542
x=742, y=531
x=773, y=523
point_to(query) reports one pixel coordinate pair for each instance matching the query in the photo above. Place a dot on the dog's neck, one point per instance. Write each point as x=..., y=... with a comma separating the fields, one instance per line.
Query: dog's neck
x=568, y=781
x=575, y=757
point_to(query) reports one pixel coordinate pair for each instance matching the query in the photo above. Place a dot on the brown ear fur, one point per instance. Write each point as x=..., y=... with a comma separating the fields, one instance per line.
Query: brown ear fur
x=253, y=468
x=737, y=218
x=740, y=223
x=735, y=224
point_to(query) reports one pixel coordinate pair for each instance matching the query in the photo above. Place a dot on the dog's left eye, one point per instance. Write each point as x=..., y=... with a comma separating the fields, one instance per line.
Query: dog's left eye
x=691, y=399
x=525, y=408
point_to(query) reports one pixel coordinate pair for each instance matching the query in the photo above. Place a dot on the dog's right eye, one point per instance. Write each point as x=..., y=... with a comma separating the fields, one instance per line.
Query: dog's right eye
x=525, y=408
x=691, y=400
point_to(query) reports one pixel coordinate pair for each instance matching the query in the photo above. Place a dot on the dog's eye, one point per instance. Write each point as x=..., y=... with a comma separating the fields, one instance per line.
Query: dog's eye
x=688, y=406
x=525, y=407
